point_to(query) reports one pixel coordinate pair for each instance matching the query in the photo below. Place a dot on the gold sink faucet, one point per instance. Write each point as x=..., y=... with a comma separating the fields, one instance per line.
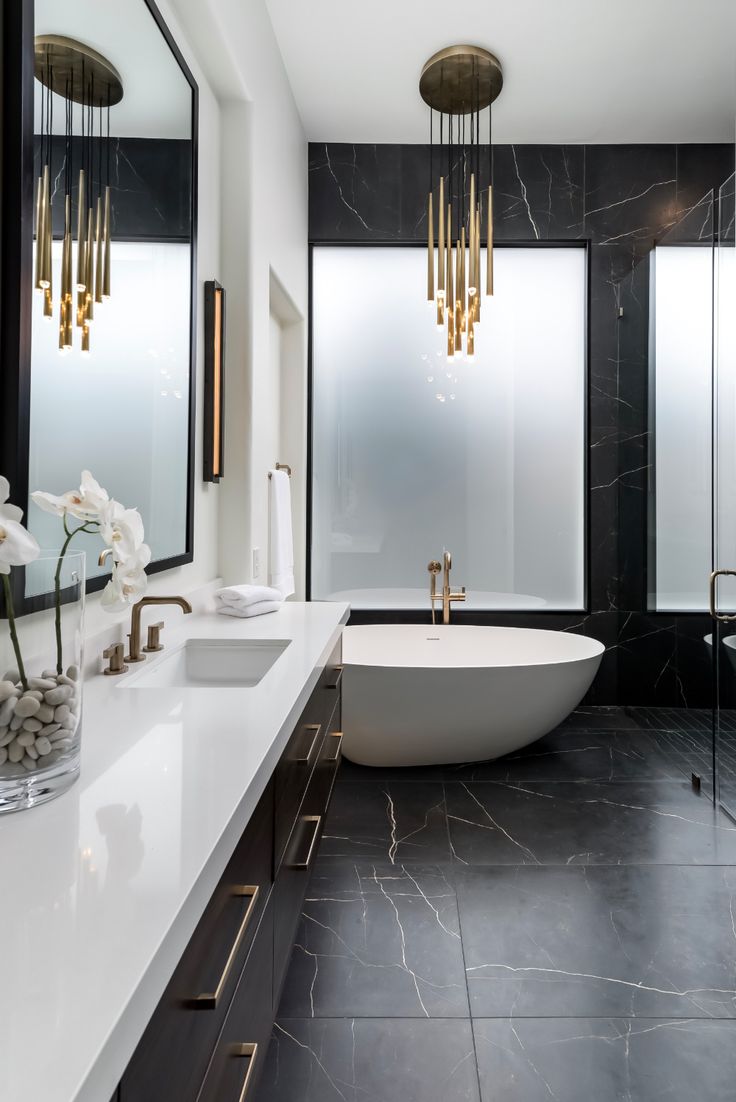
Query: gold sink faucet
x=446, y=596
x=134, y=639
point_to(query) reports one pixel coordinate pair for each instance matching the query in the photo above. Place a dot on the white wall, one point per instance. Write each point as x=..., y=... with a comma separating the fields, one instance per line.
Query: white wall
x=264, y=203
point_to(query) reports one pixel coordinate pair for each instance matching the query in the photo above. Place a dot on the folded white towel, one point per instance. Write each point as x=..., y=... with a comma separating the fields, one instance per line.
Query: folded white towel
x=282, y=542
x=243, y=596
x=259, y=609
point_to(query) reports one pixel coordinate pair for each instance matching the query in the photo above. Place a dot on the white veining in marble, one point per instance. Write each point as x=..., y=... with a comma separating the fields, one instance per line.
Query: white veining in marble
x=102, y=887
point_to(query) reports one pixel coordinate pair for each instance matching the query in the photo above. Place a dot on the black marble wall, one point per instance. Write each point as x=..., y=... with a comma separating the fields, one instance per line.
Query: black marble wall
x=150, y=184
x=621, y=198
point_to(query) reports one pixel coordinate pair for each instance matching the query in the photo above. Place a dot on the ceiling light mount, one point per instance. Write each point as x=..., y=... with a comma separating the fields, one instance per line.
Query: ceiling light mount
x=461, y=79
x=75, y=71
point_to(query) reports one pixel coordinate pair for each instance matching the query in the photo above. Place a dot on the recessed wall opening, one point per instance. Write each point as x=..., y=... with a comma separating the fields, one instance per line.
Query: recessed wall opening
x=413, y=453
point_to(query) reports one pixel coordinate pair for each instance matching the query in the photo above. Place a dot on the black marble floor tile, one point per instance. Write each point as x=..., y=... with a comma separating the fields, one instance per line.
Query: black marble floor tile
x=574, y=755
x=601, y=718
x=605, y=1060
x=377, y=939
x=590, y=824
x=370, y=1060
x=392, y=821
x=654, y=941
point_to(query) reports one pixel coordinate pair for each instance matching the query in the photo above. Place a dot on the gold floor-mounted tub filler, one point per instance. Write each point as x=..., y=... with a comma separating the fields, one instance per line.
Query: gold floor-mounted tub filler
x=459, y=82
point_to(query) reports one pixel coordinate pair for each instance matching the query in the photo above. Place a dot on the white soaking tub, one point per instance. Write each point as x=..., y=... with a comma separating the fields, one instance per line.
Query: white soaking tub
x=423, y=695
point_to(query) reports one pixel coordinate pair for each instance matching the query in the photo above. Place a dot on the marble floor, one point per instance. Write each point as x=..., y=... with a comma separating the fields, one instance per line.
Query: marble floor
x=560, y=924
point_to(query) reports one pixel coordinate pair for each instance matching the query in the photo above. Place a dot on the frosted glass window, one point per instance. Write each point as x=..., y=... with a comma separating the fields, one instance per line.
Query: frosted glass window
x=683, y=336
x=123, y=410
x=413, y=455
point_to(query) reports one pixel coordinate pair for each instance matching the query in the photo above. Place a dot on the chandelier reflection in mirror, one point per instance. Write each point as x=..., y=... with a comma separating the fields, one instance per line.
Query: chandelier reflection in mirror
x=459, y=83
x=82, y=77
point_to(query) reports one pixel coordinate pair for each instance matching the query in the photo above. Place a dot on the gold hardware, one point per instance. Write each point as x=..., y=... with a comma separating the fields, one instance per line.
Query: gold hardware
x=241, y=1051
x=306, y=759
x=282, y=467
x=154, y=643
x=115, y=655
x=73, y=69
x=106, y=230
x=209, y=1000
x=337, y=678
x=316, y=820
x=103, y=556
x=134, y=638
x=430, y=249
x=337, y=736
x=724, y=617
x=434, y=569
x=447, y=596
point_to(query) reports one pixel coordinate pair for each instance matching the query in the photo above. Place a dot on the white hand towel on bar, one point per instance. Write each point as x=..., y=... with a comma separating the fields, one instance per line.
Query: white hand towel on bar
x=258, y=609
x=244, y=596
x=282, y=543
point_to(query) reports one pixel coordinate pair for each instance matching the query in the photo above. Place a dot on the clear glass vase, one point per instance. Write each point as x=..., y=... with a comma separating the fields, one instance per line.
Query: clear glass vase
x=41, y=684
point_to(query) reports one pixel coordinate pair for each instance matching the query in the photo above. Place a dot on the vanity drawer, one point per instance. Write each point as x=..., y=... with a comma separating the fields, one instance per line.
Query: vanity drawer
x=296, y=867
x=241, y=1048
x=304, y=750
x=173, y=1054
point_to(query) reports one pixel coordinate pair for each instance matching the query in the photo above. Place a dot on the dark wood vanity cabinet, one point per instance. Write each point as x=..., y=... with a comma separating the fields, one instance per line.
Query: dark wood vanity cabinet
x=208, y=1037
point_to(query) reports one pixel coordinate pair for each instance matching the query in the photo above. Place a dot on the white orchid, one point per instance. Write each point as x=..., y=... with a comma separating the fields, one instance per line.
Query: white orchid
x=128, y=581
x=17, y=545
x=86, y=503
x=121, y=530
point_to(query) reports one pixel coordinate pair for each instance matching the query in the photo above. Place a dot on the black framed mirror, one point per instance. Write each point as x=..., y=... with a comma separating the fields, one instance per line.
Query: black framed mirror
x=119, y=398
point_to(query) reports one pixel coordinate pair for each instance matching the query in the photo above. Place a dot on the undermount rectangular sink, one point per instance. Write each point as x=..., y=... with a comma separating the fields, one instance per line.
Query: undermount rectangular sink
x=210, y=663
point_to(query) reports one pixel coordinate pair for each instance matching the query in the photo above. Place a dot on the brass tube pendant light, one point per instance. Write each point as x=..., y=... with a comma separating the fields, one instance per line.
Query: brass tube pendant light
x=80, y=76
x=460, y=82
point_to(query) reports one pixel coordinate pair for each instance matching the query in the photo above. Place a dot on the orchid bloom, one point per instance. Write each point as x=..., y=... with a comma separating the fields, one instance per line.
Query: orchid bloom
x=85, y=503
x=17, y=546
x=128, y=581
x=122, y=530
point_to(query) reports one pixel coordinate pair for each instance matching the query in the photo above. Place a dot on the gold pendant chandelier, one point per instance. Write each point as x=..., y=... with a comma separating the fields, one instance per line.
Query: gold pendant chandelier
x=459, y=82
x=79, y=75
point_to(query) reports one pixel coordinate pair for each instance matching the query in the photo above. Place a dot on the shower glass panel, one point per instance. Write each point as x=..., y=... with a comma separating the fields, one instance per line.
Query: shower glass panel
x=681, y=412
x=724, y=527
x=412, y=454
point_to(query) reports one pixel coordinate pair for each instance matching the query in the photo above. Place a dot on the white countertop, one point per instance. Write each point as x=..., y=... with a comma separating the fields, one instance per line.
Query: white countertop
x=101, y=889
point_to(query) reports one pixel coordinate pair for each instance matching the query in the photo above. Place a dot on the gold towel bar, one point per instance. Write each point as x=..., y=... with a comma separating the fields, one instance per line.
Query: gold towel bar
x=282, y=467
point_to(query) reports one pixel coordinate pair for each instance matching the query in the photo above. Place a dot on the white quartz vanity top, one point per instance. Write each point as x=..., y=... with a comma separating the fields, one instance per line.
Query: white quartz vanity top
x=101, y=888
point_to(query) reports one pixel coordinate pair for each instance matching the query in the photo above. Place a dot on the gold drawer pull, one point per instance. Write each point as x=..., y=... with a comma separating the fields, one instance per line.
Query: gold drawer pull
x=334, y=758
x=250, y=1052
x=316, y=821
x=337, y=672
x=307, y=759
x=208, y=1000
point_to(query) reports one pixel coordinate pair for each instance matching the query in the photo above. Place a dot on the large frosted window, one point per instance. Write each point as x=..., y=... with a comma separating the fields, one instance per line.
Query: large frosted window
x=683, y=349
x=413, y=455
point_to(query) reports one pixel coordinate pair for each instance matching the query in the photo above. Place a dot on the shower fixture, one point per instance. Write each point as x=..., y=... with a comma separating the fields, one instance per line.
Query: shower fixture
x=79, y=75
x=459, y=82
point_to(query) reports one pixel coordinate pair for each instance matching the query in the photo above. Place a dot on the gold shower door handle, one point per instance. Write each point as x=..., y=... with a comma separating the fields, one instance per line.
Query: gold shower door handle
x=724, y=617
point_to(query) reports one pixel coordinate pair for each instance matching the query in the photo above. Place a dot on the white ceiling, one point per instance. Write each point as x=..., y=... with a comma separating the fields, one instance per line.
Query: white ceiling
x=156, y=101
x=575, y=70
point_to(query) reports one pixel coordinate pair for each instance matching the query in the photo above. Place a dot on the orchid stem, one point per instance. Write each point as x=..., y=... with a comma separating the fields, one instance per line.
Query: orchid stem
x=57, y=583
x=13, y=633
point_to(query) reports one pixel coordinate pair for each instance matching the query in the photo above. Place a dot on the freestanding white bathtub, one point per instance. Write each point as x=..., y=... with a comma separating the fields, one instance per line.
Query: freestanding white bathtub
x=416, y=695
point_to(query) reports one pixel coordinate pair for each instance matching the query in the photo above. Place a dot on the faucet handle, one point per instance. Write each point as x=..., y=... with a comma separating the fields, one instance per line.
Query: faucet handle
x=154, y=642
x=131, y=656
x=115, y=655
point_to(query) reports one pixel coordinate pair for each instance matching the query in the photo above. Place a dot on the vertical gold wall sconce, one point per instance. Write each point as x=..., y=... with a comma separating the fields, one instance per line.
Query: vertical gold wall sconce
x=80, y=76
x=214, y=381
x=459, y=83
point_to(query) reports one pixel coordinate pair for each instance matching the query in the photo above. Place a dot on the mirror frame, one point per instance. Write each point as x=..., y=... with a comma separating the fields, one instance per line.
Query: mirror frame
x=16, y=259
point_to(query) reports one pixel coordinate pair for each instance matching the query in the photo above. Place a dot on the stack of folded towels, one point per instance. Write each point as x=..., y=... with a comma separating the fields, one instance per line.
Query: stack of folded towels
x=248, y=600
